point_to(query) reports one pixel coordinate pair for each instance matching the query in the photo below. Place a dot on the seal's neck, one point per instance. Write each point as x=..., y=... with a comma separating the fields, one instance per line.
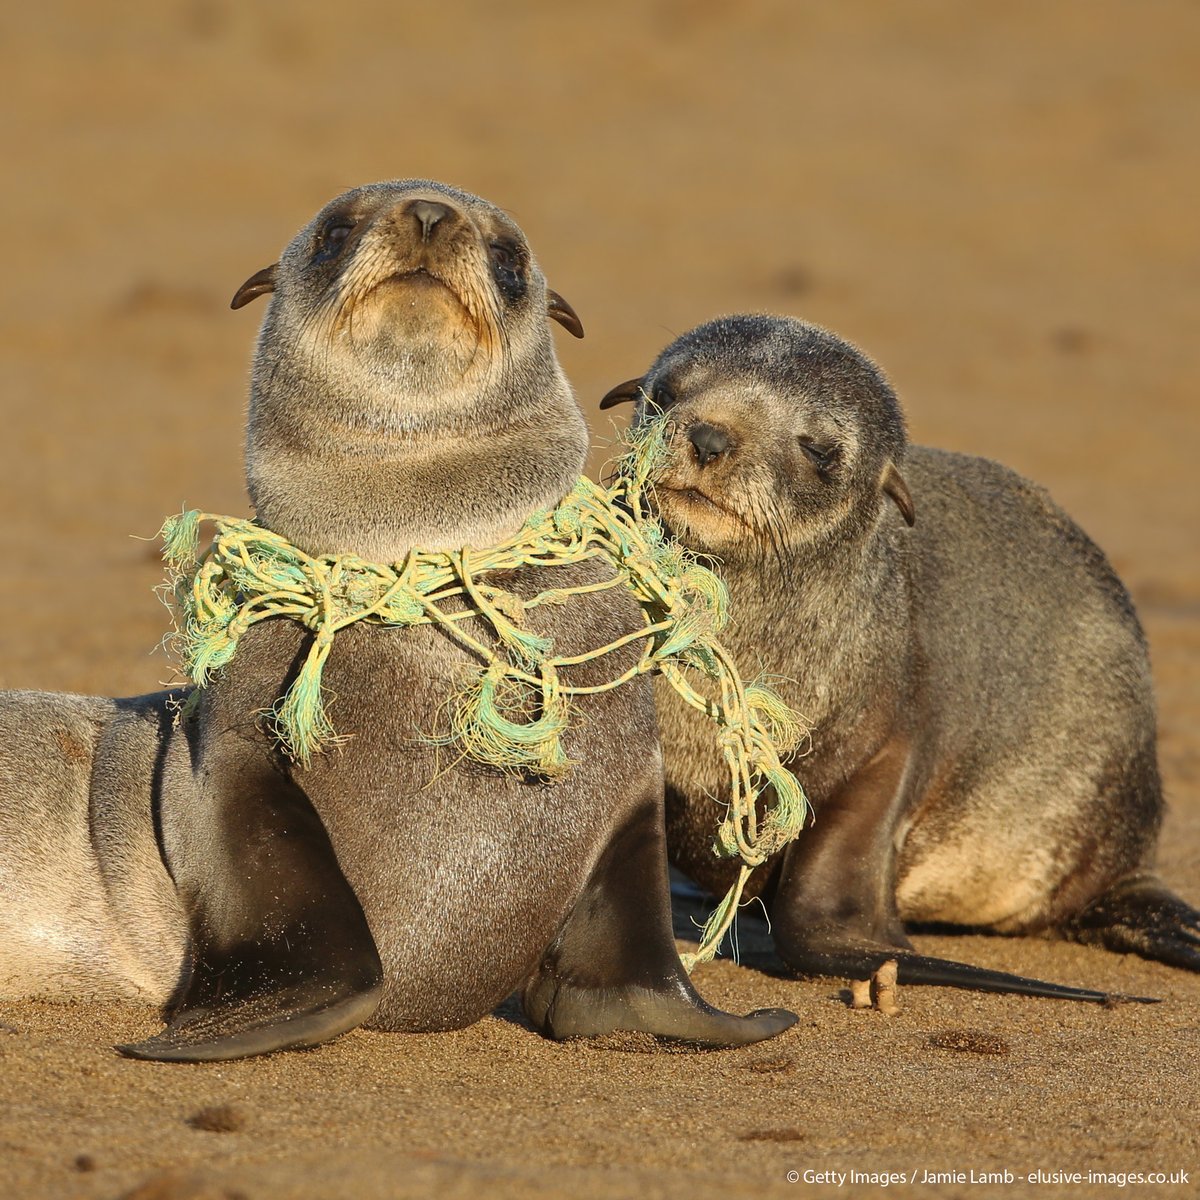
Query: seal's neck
x=806, y=588
x=334, y=488
x=821, y=617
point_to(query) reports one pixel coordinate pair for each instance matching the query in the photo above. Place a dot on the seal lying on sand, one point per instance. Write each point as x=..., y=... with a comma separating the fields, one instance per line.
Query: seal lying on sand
x=983, y=747
x=405, y=392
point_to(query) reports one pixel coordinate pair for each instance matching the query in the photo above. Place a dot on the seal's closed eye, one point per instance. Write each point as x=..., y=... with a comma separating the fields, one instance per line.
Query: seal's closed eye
x=821, y=457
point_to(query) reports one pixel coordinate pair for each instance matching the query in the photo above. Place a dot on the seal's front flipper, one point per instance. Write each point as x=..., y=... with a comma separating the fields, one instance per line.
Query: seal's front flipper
x=282, y=954
x=613, y=967
x=1140, y=916
x=853, y=961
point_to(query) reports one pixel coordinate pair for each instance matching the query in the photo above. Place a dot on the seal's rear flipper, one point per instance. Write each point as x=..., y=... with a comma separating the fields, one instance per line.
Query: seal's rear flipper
x=613, y=967
x=854, y=962
x=282, y=953
x=1140, y=916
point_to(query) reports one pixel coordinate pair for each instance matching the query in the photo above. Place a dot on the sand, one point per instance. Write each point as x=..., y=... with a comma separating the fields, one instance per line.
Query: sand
x=996, y=201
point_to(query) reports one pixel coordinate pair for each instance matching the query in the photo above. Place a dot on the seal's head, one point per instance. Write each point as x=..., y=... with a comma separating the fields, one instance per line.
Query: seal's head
x=407, y=342
x=781, y=437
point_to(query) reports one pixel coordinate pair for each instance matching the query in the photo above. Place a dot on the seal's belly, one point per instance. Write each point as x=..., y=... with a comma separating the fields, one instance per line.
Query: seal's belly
x=60, y=954
x=976, y=881
x=87, y=910
x=56, y=934
x=980, y=858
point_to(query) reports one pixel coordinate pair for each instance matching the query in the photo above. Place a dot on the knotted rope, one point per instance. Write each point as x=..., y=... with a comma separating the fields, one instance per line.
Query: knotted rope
x=513, y=713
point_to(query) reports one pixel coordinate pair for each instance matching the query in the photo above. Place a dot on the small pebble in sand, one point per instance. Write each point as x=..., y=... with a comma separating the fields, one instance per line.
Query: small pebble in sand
x=883, y=988
x=878, y=992
x=85, y=1162
x=969, y=1041
x=219, y=1118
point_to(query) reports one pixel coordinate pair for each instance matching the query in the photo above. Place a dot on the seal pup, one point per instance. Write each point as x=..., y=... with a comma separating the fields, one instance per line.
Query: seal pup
x=983, y=747
x=405, y=392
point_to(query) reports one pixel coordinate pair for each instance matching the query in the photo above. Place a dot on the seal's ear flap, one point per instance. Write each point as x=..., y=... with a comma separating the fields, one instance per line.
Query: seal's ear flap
x=893, y=485
x=259, y=284
x=557, y=309
x=622, y=393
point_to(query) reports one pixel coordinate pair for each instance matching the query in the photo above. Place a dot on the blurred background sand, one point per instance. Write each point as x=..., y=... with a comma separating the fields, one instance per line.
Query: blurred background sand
x=996, y=201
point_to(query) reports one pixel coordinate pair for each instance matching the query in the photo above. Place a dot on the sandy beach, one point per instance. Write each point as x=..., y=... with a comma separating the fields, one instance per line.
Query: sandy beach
x=996, y=202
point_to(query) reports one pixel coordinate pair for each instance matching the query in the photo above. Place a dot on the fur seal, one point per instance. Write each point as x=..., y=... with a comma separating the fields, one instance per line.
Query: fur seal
x=984, y=746
x=405, y=392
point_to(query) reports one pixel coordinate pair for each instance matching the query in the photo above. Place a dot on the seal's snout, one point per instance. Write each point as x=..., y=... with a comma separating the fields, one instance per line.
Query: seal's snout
x=426, y=213
x=708, y=442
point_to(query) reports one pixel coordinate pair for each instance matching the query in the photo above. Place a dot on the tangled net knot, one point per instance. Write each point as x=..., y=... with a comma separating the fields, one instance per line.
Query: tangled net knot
x=513, y=713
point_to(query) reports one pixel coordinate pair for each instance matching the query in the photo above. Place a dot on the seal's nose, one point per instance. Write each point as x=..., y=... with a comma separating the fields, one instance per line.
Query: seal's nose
x=708, y=442
x=427, y=214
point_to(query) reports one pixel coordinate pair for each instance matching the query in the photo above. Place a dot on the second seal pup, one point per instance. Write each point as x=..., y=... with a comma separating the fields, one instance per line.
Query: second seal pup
x=983, y=747
x=405, y=393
